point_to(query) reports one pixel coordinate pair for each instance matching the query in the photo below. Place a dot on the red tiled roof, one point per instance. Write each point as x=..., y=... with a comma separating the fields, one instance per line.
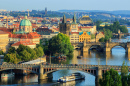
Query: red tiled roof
x=24, y=43
x=86, y=27
x=31, y=35
x=2, y=32
x=56, y=29
x=74, y=32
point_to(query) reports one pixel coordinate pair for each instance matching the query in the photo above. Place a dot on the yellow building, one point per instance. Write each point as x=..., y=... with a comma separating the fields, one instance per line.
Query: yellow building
x=85, y=20
x=4, y=41
x=84, y=37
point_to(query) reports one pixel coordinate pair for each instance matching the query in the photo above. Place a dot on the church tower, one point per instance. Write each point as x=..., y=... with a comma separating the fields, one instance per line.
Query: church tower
x=74, y=25
x=45, y=11
x=64, y=27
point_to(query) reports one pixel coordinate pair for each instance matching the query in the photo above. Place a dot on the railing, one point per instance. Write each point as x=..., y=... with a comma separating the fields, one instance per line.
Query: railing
x=84, y=66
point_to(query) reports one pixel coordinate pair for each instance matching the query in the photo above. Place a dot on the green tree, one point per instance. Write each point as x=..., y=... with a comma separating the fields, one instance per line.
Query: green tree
x=92, y=36
x=21, y=48
x=124, y=74
x=1, y=52
x=60, y=44
x=11, y=50
x=102, y=39
x=111, y=78
x=40, y=49
x=25, y=56
x=11, y=58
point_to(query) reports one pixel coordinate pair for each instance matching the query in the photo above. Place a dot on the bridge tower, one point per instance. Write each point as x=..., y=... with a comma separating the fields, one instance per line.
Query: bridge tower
x=128, y=50
x=85, y=49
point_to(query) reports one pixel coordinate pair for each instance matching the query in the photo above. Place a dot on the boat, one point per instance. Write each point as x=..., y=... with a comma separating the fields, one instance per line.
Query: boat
x=72, y=77
x=7, y=75
x=79, y=57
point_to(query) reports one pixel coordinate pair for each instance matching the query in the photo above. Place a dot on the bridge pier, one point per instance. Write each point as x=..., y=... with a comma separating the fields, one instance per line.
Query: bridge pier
x=98, y=76
x=41, y=75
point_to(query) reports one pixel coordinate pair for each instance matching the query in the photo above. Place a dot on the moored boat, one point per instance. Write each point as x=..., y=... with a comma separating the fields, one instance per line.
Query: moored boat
x=79, y=57
x=7, y=75
x=72, y=77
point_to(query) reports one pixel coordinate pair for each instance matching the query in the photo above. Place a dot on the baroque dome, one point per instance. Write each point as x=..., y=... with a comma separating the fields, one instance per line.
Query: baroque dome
x=25, y=22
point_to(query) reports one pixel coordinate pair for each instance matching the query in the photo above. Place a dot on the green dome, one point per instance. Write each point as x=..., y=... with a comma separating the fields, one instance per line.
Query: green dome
x=25, y=22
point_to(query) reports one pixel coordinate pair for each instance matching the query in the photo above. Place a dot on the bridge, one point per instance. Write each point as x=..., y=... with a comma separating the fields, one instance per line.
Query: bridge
x=45, y=71
x=107, y=47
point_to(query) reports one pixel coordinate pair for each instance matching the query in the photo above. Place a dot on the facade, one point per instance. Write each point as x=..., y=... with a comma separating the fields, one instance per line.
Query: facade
x=99, y=35
x=83, y=36
x=64, y=27
x=34, y=37
x=4, y=41
x=26, y=43
x=74, y=37
x=91, y=29
x=85, y=20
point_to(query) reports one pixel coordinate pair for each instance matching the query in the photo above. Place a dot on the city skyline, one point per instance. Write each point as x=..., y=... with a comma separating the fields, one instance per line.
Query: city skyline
x=55, y=5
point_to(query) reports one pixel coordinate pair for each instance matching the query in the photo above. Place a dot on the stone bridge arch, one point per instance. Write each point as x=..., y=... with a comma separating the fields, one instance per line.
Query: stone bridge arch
x=89, y=71
x=112, y=45
x=32, y=70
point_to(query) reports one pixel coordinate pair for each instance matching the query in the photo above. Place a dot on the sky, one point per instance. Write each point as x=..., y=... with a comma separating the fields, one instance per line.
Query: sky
x=54, y=5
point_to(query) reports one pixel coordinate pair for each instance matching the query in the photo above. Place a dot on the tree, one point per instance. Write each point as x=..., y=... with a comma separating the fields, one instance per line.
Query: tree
x=1, y=52
x=124, y=74
x=25, y=56
x=92, y=36
x=21, y=48
x=11, y=58
x=111, y=78
x=60, y=44
x=11, y=50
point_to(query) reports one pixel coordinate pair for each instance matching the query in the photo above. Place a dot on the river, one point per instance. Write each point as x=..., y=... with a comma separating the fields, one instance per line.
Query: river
x=116, y=57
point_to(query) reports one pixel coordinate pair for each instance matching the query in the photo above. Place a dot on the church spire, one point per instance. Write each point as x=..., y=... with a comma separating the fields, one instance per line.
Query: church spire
x=64, y=19
x=74, y=19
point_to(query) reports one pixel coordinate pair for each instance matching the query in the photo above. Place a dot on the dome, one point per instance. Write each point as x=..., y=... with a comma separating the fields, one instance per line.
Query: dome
x=25, y=22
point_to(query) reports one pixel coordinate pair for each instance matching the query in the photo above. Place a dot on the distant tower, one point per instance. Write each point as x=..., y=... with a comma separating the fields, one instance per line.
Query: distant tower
x=28, y=12
x=45, y=11
x=64, y=27
x=7, y=21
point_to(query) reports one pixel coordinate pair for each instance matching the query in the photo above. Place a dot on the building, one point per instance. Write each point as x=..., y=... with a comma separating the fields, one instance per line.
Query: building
x=74, y=25
x=74, y=37
x=85, y=20
x=26, y=43
x=91, y=29
x=25, y=26
x=25, y=35
x=99, y=35
x=45, y=11
x=4, y=41
x=84, y=36
x=64, y=27
x=33, y=36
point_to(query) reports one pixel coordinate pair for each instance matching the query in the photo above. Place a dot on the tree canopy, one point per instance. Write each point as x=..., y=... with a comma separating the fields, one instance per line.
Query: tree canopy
x=60, y=44
x=23, y=53
x=111, y=78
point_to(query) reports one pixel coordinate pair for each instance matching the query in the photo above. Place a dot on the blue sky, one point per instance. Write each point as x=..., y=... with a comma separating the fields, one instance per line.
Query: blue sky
x=55, y=5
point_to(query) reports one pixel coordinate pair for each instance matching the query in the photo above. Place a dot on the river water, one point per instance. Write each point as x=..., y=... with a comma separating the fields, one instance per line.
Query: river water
x=116, y=57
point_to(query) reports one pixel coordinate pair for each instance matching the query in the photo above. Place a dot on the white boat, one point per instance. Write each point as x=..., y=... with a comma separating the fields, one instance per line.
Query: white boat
x=7, y=75
x=72, y=77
